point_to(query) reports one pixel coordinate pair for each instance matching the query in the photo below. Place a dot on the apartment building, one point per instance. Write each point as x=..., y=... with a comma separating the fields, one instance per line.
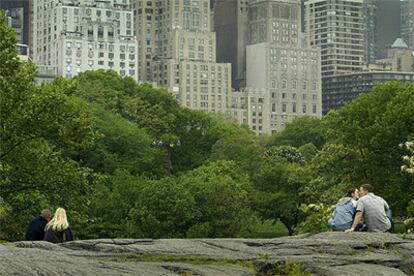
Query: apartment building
x=251, y=107
x=73, y=36
x=287, y=73
x=18, y=17
x=338, y=27
x=291, y=77
x=343, y=89
x=177, y=51
x=407, y=22
x=231, y=26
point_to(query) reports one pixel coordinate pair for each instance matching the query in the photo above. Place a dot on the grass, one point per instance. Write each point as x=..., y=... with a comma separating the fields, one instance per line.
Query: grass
x=291, y=269
x=268, y=230
x=245, y=264
x=399, y=228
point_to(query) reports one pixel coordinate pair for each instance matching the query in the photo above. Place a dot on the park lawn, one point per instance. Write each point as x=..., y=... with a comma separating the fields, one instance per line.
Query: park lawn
x=268, y=229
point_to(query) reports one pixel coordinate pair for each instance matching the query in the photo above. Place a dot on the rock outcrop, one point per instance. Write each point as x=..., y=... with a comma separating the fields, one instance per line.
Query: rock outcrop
x=322, y=254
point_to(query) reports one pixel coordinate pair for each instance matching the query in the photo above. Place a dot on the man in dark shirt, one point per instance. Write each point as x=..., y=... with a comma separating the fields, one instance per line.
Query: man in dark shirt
x=36, y=228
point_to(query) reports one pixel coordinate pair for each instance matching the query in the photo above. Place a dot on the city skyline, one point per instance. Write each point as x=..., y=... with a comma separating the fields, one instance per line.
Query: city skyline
x=214, y=55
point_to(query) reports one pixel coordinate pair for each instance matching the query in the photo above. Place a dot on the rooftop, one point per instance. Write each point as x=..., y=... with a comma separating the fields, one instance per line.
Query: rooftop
x=399, y=43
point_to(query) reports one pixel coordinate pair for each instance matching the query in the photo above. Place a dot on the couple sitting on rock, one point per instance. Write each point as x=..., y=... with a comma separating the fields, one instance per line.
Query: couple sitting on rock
x=361, y=205
x=55, y=230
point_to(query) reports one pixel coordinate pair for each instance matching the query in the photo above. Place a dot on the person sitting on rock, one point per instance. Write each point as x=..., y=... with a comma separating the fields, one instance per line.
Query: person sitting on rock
x=373, y=209
x=58, y=230
x=344, y=211
x=36, y=228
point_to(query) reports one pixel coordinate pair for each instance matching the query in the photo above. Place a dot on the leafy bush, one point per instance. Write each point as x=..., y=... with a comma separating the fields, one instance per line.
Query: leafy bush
x=317, y=216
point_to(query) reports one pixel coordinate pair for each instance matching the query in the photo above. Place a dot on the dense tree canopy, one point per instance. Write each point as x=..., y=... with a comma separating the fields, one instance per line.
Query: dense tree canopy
x=126, y=160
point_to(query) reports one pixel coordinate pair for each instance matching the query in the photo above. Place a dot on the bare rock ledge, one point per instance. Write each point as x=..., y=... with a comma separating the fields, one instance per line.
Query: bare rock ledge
x=322, y=254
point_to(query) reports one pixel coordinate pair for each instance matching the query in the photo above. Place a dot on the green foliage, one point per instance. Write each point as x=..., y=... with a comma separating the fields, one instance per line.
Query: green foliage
x=126, y=160
x=408, y=159
x=317, y=216
x=300, y=131
x=280, y=189
x=37, y=123
x=308, y=151
x=288, y=153
x=409, y=222
x=220, y=192
x=242, y=148
x=291, y=269
x=367, y=134
x=121, y=145
x=211, y=201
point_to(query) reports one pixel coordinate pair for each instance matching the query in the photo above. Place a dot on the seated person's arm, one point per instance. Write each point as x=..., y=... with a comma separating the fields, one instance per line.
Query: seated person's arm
x=357, y=219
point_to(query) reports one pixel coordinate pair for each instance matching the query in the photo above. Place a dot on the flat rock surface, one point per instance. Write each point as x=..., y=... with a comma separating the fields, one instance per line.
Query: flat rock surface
x=328, y=253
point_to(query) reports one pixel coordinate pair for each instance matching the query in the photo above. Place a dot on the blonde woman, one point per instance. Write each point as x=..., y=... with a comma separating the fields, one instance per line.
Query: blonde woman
x=58, y=230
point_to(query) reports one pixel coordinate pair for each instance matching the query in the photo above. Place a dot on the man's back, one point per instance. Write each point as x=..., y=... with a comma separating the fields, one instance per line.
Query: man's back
x=36, y=229
x=373, y=209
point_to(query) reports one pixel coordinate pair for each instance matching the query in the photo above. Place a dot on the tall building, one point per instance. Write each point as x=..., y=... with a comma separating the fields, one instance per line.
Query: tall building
x=178, y=51
x=73, y=36
x=369, y=13
x=231, y=27
x=18, y=17
x=343, y=89
x=387, y=25
x=283, y=79
x=251, y=107
x=338, y=27
x=407, y=22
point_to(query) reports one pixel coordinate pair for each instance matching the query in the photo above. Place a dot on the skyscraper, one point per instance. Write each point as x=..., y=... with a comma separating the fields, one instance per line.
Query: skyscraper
x=407, y=22
x=178, y=51
x=283, y=79
x=387, y=25
x=74, y=36
x=18, y=14
x=231, y=27
x=338, y=27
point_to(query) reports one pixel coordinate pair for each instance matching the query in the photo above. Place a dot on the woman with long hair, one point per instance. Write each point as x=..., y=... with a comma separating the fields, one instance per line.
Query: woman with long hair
x=58, y=230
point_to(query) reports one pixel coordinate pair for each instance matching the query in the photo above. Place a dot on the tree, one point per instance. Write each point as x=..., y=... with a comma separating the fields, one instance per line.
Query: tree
x=408, y=159
x=288, y=153
x=221, y=196
x=280, y=189
x=300, y=131
x=243, y=148
x=36, y=123
x=372, y=127
x=121, y=145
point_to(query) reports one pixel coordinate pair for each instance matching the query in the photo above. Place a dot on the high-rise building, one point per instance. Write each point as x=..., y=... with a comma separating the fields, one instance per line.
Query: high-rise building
x=18, y=18
x=407, y=22
x=343, y=89
x=73, y=36
x=387, y=25
x=231, y=27
x=283, y=79
x=370, y=30
x=178, y=51
x=290, y=76
x=251, y=107
x=338, y=27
